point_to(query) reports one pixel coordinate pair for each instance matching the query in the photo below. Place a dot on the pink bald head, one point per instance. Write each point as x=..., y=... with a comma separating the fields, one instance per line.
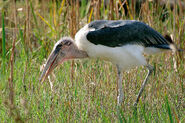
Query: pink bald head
x=63, y=50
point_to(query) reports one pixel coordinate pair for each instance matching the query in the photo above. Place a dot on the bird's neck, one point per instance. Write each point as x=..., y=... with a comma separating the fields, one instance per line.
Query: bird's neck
x=81, y=54
x=78, y=53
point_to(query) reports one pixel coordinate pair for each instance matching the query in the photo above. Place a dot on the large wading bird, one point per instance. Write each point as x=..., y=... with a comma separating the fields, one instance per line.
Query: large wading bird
x=122, y=42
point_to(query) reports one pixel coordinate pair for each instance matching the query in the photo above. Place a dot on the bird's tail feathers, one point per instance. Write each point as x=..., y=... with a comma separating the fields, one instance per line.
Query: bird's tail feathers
x=172, y=45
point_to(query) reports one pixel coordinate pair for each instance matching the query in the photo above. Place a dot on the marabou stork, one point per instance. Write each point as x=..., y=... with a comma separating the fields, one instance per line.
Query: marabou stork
x=122, y=42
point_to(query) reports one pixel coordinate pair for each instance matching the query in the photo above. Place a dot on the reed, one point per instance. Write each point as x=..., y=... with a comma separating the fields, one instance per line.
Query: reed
x=3, y=45
x=85, y=91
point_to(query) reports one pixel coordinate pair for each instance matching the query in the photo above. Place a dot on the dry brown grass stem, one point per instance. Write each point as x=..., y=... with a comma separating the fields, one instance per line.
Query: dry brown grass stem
x=86, y=90
x=174, y=39
x=111, y=10
x=130, y=15
x=73, y=29
x=121, y=6
x=28, y=25
x=11, y=96
x=133, y=7
x=12, y=106
x=96, y=6
x=23, y=78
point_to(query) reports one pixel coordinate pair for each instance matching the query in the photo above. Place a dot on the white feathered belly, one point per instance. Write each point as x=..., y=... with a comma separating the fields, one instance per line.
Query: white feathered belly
x=127, y=56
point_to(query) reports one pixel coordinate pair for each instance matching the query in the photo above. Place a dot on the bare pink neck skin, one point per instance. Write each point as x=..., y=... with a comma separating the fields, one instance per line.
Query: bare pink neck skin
x=75, y=53
x=80, y=54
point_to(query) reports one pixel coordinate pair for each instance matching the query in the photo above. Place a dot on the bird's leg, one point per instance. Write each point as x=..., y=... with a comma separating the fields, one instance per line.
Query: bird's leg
x=119, y=85
x=150, y=70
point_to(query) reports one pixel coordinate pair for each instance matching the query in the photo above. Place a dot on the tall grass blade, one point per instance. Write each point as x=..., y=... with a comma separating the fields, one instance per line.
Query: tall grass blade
x=60, y=12
x=121, y=116
x=130, y=15
x=23, y=43
x=90, y=16
x=54, y=14
x=46, y=23
x=62, y=5
x=121, y=5
x=34, y=16
x=83, y=8
x=169, y=109
x=3, y=37
x=144, y=113
x=3, y=43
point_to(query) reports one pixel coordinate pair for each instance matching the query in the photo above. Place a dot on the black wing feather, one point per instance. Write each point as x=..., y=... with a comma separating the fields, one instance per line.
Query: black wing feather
x=119, y=33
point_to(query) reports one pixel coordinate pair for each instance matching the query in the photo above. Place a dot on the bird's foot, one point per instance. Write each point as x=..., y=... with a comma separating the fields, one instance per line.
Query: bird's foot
x=135, y=104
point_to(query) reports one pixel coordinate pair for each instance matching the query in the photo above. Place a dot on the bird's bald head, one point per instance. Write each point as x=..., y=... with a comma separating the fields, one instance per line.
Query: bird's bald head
x=63, y=50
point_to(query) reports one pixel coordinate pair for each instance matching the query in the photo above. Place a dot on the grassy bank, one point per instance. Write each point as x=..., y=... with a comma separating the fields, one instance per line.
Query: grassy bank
x=85, y=91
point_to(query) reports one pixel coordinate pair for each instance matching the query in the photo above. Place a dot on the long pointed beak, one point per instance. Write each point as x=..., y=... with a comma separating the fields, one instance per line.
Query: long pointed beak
x=50, y=65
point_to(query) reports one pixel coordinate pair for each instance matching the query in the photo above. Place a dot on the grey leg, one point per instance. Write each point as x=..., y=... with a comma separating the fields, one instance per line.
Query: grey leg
x=119, y=85
x=150, y=70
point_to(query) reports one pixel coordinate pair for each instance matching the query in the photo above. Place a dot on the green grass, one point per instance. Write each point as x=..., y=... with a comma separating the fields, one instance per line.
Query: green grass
x=3, y=44
x=91, y=95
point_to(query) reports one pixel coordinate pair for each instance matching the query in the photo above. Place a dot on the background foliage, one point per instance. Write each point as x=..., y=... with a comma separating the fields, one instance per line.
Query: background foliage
x=85, y=91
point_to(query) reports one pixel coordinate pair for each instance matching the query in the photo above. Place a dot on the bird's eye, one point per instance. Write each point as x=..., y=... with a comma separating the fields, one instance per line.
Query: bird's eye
x=67, y=43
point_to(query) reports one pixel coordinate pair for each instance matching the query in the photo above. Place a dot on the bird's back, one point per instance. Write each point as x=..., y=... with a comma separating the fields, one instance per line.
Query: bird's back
x=119, y=33
x=121, y=42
